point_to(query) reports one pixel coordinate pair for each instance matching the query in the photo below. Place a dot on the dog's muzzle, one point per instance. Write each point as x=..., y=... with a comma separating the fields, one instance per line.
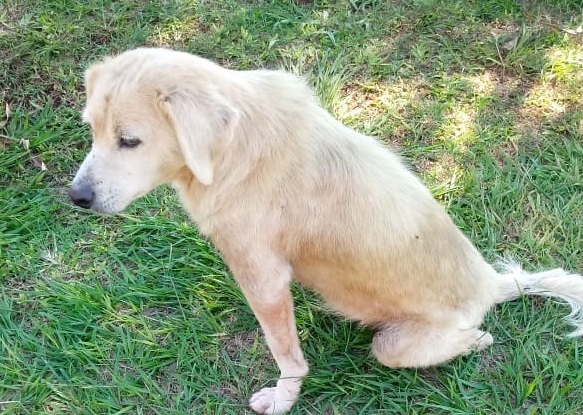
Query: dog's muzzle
x=82, y=195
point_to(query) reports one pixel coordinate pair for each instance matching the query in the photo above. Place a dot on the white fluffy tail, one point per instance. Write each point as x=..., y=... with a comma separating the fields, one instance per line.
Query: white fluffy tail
x=558, y=283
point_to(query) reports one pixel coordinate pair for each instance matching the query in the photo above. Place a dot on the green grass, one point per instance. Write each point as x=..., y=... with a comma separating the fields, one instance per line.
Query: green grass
x=136, y=314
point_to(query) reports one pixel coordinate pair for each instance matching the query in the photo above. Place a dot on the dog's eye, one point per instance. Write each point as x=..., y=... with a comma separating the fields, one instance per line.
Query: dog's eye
x=128, y=141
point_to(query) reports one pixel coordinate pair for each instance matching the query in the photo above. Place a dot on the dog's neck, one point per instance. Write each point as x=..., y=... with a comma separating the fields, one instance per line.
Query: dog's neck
x=190, y=191
x=201, y=202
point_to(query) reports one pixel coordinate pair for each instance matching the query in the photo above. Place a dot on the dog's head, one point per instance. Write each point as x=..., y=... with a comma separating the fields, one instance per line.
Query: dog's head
x=153, y=113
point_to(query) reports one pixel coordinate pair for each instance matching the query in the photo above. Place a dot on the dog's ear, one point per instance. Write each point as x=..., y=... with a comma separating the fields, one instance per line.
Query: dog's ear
x=204, y=125
x=91, y=76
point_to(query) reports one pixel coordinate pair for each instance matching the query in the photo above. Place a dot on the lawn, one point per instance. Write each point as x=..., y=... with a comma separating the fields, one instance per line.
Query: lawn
x=136, y=314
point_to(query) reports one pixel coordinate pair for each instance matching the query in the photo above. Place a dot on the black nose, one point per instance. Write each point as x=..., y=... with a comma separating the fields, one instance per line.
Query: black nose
x=82, y=195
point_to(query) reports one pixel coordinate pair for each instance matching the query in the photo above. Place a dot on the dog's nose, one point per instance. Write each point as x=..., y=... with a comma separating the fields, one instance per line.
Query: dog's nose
x=82, y=195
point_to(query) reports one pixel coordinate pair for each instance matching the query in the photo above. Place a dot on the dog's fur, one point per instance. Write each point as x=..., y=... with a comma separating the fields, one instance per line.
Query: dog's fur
x=286, y=192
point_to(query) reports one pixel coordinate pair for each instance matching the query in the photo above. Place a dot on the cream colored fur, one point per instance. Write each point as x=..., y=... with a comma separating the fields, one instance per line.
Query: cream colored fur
x=286, y=192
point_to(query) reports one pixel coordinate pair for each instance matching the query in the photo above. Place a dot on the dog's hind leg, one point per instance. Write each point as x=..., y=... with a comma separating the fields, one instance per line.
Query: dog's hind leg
x=420, y=344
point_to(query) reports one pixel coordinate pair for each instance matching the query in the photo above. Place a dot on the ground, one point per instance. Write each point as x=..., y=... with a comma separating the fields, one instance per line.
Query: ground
x=136, y=314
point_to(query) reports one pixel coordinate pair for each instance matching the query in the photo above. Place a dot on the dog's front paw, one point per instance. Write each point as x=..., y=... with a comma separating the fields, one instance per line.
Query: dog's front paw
x=272, y=401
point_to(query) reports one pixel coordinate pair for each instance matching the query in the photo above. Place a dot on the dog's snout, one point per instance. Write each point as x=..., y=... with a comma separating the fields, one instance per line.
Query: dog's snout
x=82, y=195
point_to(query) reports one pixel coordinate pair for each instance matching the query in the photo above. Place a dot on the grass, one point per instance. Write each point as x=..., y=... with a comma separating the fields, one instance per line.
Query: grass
x=136, y=314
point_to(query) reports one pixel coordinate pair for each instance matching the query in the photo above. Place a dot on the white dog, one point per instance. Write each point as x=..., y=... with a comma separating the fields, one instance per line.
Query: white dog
x=286, y=192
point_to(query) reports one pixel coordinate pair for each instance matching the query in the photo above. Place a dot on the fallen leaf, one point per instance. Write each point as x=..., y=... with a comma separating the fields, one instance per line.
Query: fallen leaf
x=36, y=160
x=511, y=44
x=7, y=111
x=577, y=31
x=25, y=143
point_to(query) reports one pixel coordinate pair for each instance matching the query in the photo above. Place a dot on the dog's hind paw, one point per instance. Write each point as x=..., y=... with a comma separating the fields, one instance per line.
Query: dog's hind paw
x=272, y=401
x=482, y=341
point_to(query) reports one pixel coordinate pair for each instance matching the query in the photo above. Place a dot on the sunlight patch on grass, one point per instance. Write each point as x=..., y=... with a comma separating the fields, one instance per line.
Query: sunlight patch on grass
x=458, y=129
x=564, y=63
x=175, y=34
x=483, y=84
x=555, y=100
x=380, y=108
x=445, y=176
x=546, y=99
x=365, y=101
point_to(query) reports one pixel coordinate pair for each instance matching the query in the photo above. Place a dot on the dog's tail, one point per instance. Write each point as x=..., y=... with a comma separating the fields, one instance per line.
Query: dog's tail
x=514, y=282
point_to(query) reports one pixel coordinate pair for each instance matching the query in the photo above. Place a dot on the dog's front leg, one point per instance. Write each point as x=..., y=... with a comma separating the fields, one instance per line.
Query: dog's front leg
x=268, y=293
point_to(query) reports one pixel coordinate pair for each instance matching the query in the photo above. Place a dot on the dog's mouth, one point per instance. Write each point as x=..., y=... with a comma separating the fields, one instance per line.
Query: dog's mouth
x=86, y=197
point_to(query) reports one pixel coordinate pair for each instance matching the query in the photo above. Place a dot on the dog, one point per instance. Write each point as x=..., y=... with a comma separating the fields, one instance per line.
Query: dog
x=287, y=193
